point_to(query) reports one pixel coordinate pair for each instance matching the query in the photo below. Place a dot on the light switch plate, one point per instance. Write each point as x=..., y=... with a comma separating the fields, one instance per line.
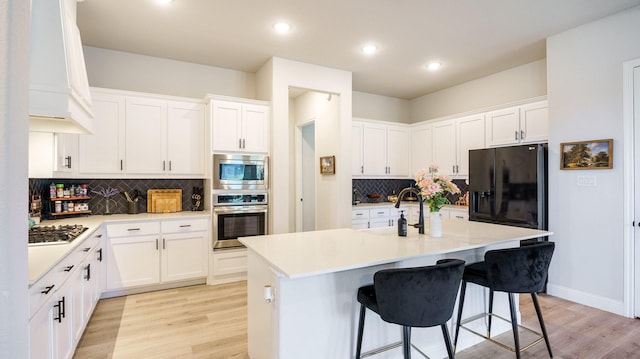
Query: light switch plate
x=587, y=181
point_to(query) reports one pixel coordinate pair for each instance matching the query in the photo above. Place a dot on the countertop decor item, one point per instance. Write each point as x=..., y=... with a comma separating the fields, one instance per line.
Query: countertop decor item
x=107, y=193
x=433, y=188
x=164, y=200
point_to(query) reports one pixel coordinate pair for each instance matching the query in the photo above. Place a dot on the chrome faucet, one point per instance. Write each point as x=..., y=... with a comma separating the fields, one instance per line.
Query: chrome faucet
x=420, y=224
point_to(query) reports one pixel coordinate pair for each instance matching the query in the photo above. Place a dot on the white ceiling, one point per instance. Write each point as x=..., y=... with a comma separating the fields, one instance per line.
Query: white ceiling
x=472, y=38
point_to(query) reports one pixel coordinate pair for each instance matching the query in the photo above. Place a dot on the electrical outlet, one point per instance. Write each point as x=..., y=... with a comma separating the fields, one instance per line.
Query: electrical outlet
x=587, y=181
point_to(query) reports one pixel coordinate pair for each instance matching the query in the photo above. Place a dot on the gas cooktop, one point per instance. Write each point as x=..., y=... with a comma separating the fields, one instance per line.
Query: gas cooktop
x=55, y=234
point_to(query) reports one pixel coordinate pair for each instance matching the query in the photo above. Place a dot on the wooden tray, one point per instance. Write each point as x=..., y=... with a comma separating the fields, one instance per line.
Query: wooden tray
x=164, y=200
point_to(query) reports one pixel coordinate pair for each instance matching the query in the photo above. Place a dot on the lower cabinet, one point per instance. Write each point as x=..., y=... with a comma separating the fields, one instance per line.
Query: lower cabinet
x=62, y=302
x=229, y=265
x=156, y=252
x=387, y=215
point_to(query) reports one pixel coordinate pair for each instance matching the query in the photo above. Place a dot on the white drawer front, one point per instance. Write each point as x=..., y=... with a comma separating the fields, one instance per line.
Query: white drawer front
x=359, y=214
x=185, y=225
x=378, y=213
x=133, y=229
x=458, y=214
x=42, y=290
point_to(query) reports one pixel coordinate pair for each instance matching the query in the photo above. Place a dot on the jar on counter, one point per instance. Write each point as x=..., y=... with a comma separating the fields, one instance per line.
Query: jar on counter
x=59, y=190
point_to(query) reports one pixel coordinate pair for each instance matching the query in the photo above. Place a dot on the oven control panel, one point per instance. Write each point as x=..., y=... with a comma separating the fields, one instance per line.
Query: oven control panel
x=229, y=199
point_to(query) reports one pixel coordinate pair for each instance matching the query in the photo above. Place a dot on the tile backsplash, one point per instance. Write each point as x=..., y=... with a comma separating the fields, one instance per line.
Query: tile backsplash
x=387, y=187
x=97, y=202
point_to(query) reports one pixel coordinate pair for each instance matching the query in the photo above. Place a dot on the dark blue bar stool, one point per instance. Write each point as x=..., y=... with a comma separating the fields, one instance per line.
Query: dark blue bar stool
x=413, y=297
x=514, y=270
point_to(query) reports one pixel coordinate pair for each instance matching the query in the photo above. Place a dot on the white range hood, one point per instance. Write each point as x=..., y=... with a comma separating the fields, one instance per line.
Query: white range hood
x=59, y=98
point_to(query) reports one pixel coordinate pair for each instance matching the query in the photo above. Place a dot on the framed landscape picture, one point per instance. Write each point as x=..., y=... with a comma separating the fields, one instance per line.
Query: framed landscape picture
x=586, y=155
x=328, y=165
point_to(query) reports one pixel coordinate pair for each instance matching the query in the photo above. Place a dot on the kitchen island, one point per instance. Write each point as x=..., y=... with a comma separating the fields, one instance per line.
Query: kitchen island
x=302, y=286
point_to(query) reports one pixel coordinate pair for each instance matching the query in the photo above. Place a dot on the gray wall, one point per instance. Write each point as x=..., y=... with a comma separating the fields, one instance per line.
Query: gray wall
x=127, y=71
x=381, y=108
x=519, y=83
x=585, y=82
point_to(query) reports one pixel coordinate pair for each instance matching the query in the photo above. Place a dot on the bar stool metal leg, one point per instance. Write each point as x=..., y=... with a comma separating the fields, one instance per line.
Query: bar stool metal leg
x=447, y=340
x=490, y=312
x=534, y=299
x=360, y=331
x=406, y=341
x=463, y=289
x=514, y=325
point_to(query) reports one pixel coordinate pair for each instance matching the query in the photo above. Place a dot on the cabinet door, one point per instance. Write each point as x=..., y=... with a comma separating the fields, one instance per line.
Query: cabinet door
x=254, y=128
x=398, y=151
x=132, y=261
x=374, y=138
x=225, y=129
x=41, y=331
x=534, y=122
x=503, y=126
x=184, y=256
x=145, y=132
x=459, y=214
x=470, y=137
x=81, y=294
x=185, y=138
x=103, y=152
x=421, y=148
x=356, y=149
x=66, y=149
x=64, y=327
x=444, y=146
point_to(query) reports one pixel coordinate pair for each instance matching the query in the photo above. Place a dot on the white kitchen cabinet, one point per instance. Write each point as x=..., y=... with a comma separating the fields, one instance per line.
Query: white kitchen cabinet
x=452, y=140
x=185, y=120
x=145, y=135
x=518, y=124
x=147, y=253
x=460, y=214
x=421, y=147
x=184, y=249
x=359, y=218
x=357, y=155
x=103, y=152
x=229, y=265
x=66, y=154
x=385, y=150
x=377, y=216
x=239, y=126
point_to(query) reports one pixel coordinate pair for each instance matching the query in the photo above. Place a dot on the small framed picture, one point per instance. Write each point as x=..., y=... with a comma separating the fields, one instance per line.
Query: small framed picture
x=327, y=165
x=586, y=155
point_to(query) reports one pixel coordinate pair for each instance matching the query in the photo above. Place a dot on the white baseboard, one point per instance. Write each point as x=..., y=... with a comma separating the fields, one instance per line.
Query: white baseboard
x=588, y=299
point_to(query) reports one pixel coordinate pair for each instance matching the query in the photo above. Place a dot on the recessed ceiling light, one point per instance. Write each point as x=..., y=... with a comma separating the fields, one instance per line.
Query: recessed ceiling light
x=435, y=65
x=369, y=49
x=282, y=27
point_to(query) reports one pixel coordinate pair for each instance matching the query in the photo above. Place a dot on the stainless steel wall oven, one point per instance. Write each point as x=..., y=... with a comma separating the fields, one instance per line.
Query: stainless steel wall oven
x=239, y=214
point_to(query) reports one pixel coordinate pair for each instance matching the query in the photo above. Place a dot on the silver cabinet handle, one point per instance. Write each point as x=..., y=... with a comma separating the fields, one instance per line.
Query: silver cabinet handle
x=156, y=243
x=516, y=135
x=361, y=169
x=133, y=229
x=521, y=134
x=185, y=225
x=164, y=167
x=121, y=166
x=169, y=166
x=164, y=243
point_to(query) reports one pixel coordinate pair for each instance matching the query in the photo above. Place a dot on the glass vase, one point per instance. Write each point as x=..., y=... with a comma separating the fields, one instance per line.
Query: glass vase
x=107, y=206
x=435, y=224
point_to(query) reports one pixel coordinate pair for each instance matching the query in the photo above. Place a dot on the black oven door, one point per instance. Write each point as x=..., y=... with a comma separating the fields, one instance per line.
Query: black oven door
x=231, y=222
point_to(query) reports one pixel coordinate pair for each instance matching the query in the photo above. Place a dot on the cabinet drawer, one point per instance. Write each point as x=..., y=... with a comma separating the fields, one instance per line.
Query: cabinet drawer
x=359, y=214
x=225, y=263
x=185, y=225
x=378, y=213
x=41, y=291
x=460, y=215
x=133, y=229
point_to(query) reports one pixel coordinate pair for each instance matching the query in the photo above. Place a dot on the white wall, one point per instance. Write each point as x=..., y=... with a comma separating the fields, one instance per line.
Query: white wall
x=519, y=83
x=382, y=108
x=132, y=72
x=14, y=95
x=273, y=82
x=584, y=68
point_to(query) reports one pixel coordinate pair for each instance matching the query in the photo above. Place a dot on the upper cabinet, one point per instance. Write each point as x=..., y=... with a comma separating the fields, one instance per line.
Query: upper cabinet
x=421, y=147
x=239, y=126
x=384, y=151
x=144, y=136
x=59, y=98
x=452, y=140
x=527, y=123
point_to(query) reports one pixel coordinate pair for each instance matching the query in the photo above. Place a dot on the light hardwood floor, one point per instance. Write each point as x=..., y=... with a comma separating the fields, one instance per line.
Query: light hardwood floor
x=211, y=322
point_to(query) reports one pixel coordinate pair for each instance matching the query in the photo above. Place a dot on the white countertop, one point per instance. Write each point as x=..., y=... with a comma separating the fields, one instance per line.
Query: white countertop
x=303, y=254
x=44, y=257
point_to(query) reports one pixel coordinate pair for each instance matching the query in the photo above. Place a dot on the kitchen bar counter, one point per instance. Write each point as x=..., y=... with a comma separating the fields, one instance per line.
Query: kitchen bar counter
x=302, y=286
x=44, y=257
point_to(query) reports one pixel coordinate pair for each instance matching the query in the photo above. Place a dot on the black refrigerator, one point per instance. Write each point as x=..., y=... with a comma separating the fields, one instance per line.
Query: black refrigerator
x=508, y=185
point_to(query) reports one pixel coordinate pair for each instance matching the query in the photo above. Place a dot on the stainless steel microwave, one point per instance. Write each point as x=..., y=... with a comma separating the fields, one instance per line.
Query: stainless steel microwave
x=240, y=172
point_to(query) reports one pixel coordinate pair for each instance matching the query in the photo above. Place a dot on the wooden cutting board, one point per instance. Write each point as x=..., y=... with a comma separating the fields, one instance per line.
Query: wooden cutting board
x=164, y=200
